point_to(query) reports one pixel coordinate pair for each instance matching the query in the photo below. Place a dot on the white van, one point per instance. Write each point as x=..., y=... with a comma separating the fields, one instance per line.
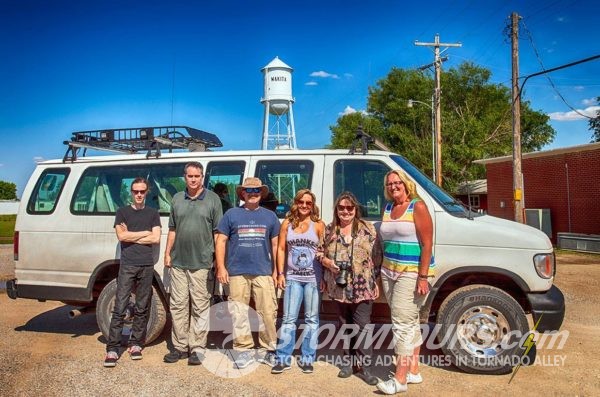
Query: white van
x=490, y=272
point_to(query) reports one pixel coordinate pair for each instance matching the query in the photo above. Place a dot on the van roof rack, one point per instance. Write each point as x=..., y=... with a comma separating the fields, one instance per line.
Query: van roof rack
x=134, y=140
x=364, y=139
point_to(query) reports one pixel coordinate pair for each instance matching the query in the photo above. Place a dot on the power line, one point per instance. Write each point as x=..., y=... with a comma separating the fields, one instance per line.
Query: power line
x=537, y=55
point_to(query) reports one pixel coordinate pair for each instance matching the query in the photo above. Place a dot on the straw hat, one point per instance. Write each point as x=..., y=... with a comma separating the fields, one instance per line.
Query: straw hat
x=252, y=182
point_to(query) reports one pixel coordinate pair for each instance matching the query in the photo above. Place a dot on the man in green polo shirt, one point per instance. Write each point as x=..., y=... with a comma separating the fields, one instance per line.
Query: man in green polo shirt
x=195, y=214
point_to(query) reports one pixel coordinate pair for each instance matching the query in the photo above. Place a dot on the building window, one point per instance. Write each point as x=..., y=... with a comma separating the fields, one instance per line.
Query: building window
x=474, y=201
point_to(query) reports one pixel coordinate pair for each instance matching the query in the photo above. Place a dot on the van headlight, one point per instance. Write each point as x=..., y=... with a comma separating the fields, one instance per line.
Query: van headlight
x=544, y=265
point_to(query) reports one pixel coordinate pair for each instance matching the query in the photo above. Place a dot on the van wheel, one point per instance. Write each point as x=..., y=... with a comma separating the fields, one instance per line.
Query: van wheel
x=106, y=301
x=482, y=328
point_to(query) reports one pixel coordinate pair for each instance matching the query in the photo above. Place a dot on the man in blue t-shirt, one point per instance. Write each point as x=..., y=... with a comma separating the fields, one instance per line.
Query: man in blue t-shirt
x=138, y=230
x=249, y=235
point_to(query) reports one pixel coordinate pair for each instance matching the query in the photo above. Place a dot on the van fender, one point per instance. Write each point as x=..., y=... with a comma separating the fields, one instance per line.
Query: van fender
x=471, y=275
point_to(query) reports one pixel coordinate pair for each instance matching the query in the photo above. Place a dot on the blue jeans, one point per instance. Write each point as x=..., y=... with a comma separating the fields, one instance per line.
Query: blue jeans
x=297, y=292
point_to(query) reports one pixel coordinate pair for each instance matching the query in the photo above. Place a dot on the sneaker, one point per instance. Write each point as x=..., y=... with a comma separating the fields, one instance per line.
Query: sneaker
x=413, y=378
x=174, y=356
x=307, y=368
x=110, y=360
x=135, y=352
x=366, y=375
x=195, y=358
x=280, y=367
x=391, y=386
x=244, y=359
x=345, y=372
x=269, y=359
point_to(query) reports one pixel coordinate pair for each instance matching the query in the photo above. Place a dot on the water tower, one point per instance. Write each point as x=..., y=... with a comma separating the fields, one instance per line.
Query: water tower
x=278, y=102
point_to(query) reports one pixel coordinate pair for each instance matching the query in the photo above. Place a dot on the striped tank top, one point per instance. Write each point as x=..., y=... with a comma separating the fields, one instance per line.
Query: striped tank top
x=401, y=249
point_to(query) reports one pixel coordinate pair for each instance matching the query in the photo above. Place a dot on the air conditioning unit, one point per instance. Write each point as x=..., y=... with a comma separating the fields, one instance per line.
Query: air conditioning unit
x=540, y=219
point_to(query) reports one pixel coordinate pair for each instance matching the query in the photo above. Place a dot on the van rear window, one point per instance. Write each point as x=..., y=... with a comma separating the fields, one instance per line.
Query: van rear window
x=47, y=191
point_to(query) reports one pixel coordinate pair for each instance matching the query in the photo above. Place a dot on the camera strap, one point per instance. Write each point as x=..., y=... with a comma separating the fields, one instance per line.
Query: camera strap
x=339, y=234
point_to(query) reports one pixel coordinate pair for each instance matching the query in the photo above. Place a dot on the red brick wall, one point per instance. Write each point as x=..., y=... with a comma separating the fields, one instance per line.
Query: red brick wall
x=545, y=186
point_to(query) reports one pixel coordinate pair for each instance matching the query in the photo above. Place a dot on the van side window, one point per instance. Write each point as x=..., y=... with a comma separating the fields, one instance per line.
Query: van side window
x=284, y=178
x=364, y=178
x=47, y=191
x=228, y=172
x=102, y=190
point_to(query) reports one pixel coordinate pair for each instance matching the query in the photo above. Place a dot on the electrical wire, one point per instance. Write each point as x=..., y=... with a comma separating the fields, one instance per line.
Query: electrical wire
x=537, y=55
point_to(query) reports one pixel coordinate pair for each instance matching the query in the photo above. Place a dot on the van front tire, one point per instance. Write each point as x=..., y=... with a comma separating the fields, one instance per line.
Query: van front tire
x=157, y=317
x=483, y=328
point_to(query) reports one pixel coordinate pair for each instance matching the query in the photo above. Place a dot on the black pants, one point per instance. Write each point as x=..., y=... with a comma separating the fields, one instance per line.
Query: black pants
x=130, y=277
x=357, y=349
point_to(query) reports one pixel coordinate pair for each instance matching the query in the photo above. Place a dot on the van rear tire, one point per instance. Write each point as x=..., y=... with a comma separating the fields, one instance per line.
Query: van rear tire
x=157, y=317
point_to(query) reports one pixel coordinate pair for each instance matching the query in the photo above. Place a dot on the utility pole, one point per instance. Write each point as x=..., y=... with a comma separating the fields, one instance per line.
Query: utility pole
x=437, y=94
x=516, y=122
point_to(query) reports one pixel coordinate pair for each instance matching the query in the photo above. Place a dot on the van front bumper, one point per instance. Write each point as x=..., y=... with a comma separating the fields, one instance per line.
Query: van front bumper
x=11, y=288
x=548, y=306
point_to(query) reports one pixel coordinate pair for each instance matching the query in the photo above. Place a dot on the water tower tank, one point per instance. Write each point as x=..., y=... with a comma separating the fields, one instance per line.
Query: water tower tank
x=278, y=86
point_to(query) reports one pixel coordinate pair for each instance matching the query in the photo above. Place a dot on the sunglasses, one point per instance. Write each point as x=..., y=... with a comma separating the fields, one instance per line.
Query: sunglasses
x=348, y=208
x=305, y=203
x=138, y=191
x=252, y=189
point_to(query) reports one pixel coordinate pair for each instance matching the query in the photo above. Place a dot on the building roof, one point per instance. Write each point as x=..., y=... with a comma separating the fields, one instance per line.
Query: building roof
x=544, y=153
x=476, y=186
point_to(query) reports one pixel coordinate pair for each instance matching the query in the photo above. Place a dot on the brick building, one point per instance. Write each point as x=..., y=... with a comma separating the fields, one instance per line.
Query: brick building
x=566, y=181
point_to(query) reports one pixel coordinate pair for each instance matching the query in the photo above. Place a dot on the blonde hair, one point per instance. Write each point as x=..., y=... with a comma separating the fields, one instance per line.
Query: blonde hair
x=411, y=188
x=294, y=215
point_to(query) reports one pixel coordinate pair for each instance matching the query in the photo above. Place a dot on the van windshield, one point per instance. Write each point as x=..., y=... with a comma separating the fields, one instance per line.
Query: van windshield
x=449, y=203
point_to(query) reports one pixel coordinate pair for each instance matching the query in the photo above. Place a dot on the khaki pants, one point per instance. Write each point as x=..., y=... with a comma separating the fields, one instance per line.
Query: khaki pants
x=404, y=306
x=190, y=326
x=262, y=290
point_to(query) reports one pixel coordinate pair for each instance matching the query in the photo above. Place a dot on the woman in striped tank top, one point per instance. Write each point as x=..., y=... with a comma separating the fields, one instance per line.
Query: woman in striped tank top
x=407, y=237
x=299, y=273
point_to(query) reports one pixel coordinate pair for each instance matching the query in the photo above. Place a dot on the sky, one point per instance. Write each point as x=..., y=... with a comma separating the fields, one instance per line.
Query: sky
x=89, y=65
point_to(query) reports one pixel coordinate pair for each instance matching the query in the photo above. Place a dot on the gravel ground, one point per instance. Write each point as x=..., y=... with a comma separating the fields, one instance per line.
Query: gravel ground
x=42, y=352
x=7, y=264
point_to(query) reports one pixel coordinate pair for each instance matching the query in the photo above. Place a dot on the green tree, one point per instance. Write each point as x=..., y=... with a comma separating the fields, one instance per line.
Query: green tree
x=476, y=120
x=595, y=125
x=8, y=191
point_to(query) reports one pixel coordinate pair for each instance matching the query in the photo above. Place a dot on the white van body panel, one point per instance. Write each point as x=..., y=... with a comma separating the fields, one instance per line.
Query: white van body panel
x=64, y=249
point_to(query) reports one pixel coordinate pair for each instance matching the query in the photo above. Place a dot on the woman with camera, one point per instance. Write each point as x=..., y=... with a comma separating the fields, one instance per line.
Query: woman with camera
x=350, y=278
x=299, y=273
x=407, y=235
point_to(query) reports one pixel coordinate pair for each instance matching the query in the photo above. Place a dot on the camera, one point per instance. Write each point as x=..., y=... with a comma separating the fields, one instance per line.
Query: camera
x=345, y=268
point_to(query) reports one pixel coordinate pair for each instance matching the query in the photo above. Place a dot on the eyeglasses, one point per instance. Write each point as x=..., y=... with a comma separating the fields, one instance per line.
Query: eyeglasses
x=395, y=183
x=138, y=191
x=348, y=208
x=252, y=189
x=305, y=203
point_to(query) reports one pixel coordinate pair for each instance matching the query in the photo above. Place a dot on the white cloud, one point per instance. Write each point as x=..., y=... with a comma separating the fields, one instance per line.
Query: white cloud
x=311, y=83
x=589, y=102
x=348, y=110
x=324, y=74
x=590, y=111
x=348, y=75
x=579, y=88
x=38, y=159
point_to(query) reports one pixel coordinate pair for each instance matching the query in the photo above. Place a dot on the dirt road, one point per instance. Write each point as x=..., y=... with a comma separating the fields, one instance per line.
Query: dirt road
x=43, y=352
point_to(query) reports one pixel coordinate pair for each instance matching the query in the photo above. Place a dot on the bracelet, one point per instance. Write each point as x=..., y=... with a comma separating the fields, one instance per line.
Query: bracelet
x=422, y=276
x=280, y=274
